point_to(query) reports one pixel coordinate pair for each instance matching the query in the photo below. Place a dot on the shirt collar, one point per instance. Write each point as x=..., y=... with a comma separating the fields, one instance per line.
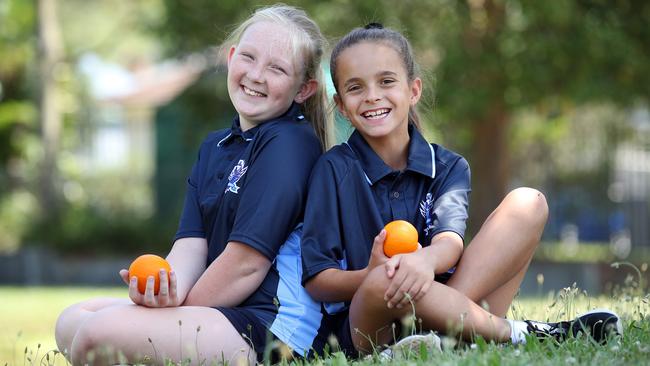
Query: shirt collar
x=292, y=114
x=421, y=157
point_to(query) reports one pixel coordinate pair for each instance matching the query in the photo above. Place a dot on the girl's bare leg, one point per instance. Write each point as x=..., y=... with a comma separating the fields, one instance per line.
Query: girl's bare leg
x=134, y=334
x=442, y=308
x=73, y=316
x=491, y=270
x=495, y=262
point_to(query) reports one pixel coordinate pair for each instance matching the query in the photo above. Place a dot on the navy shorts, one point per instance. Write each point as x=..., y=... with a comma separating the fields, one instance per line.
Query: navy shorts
x=344, y=333
x=252, y=325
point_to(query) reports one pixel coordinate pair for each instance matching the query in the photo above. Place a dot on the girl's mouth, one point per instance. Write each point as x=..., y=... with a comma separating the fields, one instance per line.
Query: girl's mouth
x=376, y=113
x=252, y=92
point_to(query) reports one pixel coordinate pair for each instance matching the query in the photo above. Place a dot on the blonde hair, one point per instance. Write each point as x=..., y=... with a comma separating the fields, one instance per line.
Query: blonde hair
x=308, y=44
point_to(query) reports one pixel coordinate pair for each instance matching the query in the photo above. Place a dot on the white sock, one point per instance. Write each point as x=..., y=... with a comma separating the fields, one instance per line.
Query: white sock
x=518, y=331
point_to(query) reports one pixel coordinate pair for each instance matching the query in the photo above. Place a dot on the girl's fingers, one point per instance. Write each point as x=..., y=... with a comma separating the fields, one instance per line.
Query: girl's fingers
x=149, y=297
x=173, y=294
x=379, y=240
x=124, y=274
x=403, y=294
x=134, y=293
x=412, y=292
x=392, y=265
x=393, y=288
x=163, y=292
x=423, y=291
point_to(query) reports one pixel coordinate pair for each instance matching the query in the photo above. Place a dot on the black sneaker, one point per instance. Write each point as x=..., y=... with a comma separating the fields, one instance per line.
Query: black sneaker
x=598, y=324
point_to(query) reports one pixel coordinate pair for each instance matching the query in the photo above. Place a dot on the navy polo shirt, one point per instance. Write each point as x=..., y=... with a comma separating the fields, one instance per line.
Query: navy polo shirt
x=250, y=186
x=353, y=194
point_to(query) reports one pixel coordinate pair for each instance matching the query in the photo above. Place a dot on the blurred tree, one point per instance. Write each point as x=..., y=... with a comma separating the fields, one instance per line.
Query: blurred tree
x=18, y=121
x=50, y=54
x=490, y=58
x=44, y=107
x=505, y=56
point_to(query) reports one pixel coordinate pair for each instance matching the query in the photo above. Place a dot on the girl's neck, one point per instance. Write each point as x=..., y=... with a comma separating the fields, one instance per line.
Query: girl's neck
x=392, y=149
x=244, y=124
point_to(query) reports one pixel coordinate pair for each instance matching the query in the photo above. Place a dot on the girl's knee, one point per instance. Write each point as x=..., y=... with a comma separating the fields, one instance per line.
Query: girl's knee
x=85, y=341
x=374, y=285
x=95, y=338
x=528, y=203
x=67, y=325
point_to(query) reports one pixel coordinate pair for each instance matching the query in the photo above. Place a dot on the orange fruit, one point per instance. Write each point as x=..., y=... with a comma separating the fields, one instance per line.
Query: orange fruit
x=148, y=265
x=401, y=237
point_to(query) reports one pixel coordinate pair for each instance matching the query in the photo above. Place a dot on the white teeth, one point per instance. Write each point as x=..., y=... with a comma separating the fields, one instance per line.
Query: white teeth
x=377, y=113
x=253, y=92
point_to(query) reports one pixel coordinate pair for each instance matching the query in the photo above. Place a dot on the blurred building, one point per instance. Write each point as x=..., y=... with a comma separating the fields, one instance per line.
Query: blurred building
x=118, y=135
x=630, y=187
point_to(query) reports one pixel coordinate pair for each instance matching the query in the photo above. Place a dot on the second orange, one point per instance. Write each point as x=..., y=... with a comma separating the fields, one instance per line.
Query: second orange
x=401, y=237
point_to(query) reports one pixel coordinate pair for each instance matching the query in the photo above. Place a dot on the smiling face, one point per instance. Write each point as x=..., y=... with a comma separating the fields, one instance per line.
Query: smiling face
x=373, y=90
x=263, y=77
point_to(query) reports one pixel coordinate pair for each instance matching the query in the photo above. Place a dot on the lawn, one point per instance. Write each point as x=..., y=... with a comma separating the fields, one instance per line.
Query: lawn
x=28, y=315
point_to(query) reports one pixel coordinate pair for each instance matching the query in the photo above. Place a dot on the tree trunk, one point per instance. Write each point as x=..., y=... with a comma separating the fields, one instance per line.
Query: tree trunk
x=489, y=152
x=490, y=165
x=50, y=53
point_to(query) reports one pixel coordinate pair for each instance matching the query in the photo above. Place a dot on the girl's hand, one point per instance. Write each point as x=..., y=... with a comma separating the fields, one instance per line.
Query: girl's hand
x=411, y=277
x=167, y=294
x=377, y=256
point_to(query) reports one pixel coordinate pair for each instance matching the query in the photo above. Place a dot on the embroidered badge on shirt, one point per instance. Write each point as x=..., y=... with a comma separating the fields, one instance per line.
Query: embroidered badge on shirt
x=237, y=172
x=426, y=206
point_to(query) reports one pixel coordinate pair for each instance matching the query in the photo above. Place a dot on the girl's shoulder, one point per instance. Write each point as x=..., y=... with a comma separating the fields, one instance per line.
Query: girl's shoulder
x=337, y=161
x=289, y=130
x=448, y=158
x=215, y=137
x=340, y=154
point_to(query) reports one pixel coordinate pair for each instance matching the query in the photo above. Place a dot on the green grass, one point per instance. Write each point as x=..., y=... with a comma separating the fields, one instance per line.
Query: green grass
x=28, y=315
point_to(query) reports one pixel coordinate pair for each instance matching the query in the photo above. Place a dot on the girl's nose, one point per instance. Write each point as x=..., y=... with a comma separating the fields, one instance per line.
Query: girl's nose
x=256, y=74
x=373, y=95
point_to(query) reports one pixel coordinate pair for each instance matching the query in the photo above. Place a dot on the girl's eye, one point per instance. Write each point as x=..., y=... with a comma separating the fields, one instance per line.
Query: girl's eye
x=352, y=88
x=387, y=81
x=247, y=56
x=278, y=69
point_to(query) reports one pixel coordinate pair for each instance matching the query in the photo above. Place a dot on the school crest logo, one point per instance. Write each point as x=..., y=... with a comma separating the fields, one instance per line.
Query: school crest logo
x=426, y=208
x=237, y=172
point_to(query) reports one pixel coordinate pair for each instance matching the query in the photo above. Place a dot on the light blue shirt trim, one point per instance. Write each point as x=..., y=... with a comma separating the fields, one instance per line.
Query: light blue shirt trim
x=433, y=162
x=299, y=316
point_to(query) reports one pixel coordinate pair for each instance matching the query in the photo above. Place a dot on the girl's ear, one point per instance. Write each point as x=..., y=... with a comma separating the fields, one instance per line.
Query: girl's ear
x=339, y=105
x=416, y=91
x=307, y=89
x=231, y=53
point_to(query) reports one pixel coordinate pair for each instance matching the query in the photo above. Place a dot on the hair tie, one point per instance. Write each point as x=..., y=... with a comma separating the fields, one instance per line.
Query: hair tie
x=374, y=25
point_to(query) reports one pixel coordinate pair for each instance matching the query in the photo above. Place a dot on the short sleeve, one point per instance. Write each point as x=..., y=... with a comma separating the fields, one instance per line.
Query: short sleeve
x=274, y=193
x=450, y=209
x=321, y=246
x=191, y=223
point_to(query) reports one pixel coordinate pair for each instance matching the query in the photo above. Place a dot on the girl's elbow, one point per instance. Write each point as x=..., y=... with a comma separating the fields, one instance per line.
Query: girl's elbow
x=313, y=290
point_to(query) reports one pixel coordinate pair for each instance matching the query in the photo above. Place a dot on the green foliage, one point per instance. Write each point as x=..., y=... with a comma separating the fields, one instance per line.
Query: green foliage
x=99, y=212
x=84, y=230
x=16, y=37
x=17, y=211
x=483, y=62
x=534, y=64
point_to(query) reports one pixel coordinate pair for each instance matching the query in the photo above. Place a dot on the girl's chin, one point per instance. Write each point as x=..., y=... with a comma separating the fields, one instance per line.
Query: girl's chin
x=375, y=133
